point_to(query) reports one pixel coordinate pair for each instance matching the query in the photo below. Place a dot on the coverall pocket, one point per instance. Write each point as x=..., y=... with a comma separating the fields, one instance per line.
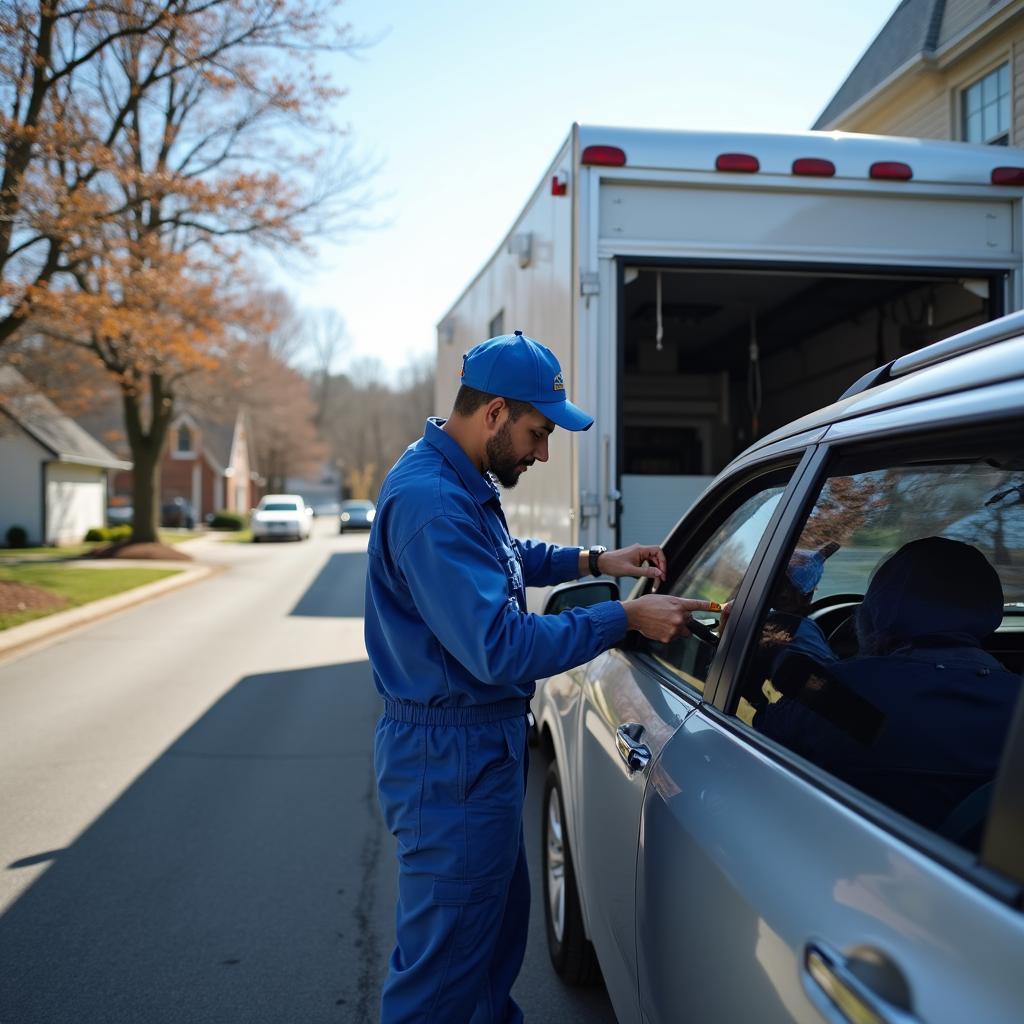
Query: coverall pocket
x=494, y=754
x=479, y=905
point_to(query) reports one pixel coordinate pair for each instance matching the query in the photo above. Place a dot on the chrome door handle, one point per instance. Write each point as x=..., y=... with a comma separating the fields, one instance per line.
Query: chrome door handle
x=636, y=755
x=844, y=983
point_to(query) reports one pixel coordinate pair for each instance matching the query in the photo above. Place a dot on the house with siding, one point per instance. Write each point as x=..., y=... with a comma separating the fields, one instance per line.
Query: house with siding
x=939, y=69
x=53, y=473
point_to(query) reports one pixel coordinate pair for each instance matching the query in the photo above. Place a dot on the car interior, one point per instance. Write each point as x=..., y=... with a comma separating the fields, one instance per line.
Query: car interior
x=868, y=507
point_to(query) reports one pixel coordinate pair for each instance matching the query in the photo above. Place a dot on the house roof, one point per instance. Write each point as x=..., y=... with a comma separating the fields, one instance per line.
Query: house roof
x=46, y=424
x=916, y=30
x=217, y=436
x=217, y=439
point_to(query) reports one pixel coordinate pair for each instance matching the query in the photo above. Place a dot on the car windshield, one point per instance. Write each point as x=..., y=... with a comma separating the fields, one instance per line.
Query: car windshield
x=357, y=506
x=872, y=514
x=280, y=506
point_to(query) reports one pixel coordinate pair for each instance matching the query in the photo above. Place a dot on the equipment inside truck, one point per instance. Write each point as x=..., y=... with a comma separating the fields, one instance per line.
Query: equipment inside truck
x=713, y=359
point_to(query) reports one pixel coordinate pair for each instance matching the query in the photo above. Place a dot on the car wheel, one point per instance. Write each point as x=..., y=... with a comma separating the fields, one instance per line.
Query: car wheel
x=571, y=953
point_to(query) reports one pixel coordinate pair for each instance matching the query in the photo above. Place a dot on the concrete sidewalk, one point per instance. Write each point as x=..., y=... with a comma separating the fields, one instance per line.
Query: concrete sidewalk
x=38, y=630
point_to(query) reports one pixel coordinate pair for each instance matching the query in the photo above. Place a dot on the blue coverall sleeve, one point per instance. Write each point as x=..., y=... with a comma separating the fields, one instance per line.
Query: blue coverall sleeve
x=461, y=590
x=544, y=565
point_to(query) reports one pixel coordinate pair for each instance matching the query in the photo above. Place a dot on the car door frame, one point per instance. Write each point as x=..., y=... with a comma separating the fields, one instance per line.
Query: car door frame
x=922, y=422
x=693, y=530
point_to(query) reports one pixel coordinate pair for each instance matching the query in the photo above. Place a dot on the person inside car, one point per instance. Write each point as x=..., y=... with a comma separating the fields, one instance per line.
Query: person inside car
x=917, y=719
x=788, y=629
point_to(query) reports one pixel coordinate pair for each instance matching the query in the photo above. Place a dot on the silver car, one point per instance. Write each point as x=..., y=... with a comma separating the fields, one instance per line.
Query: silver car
x=718, y=870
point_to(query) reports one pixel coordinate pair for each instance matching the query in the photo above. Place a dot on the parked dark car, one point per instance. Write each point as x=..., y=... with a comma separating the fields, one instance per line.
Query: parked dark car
x=814, y=811
x=356, y=515
x=120, y=515
x=178, y=512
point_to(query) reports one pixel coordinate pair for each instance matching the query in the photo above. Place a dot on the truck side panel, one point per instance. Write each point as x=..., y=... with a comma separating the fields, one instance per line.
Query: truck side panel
x=527, y=286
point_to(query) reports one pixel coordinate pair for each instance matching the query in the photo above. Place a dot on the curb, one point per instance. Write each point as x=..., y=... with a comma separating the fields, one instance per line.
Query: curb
x=38, y=630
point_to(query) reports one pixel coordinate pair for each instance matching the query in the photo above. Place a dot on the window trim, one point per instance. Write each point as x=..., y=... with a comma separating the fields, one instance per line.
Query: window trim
x=698, y=525
x=964, y=89
x=180, y=453
x=916, y=438
x=646, y=662
x=1009, y=890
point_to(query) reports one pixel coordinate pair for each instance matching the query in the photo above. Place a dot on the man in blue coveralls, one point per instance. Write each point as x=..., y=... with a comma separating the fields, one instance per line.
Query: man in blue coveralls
x=455, y=655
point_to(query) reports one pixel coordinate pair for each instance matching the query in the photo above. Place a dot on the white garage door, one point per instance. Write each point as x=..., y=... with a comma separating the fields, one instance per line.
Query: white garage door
x=74, y=502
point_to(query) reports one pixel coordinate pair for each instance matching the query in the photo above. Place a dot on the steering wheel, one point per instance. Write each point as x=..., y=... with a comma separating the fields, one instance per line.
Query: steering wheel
x=835, y=614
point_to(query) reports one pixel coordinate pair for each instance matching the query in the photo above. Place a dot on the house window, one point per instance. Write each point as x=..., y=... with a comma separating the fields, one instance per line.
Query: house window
x=184, y=444
x=986, y=108
x=497, y=324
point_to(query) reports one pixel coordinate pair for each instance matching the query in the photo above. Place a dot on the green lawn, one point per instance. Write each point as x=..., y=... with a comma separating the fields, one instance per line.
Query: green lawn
x=78, y=586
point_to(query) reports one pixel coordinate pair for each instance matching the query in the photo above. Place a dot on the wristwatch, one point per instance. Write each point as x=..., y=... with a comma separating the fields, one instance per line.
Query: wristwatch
x=595, y=553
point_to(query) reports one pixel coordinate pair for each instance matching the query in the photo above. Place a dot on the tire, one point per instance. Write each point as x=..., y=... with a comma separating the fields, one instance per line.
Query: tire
x=572, y=955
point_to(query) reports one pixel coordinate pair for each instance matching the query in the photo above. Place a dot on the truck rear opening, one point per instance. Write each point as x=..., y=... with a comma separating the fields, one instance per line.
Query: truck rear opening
x=712, y=358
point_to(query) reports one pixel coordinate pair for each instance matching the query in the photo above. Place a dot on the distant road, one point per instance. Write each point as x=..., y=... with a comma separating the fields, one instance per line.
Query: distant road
x=190, y=830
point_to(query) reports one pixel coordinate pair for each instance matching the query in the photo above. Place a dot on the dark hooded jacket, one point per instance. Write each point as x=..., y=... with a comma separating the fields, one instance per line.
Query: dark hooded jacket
x=937, y=706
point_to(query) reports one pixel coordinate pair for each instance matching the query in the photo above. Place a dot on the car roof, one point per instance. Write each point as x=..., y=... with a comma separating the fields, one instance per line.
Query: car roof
x=990, y=354
x=282, y=497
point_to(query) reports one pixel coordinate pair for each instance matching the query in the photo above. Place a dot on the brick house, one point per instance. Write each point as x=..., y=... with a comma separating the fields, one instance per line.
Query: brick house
x=939, y=69
x=208, y=462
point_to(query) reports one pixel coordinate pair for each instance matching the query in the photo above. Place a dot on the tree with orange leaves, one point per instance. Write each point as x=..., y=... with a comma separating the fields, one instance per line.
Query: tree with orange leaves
x=164, y=139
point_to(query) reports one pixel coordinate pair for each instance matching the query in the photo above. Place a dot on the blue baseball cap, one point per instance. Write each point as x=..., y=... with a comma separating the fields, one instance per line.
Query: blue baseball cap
x=514, y=366
x=806, y=567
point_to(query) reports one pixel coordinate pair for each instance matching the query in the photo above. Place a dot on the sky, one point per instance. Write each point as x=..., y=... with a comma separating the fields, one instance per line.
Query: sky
x=460, y=105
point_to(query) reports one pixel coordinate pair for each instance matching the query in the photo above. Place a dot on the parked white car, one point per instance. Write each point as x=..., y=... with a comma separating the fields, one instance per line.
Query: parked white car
x=284, y=516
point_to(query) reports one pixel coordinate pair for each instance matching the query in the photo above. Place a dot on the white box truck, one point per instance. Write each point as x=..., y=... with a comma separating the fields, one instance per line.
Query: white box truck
x=702, y=289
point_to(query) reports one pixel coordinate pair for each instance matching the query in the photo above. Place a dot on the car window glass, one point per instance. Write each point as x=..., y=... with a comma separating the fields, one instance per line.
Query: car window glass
x=714, y=574
x=873, y=513
x=892, y=645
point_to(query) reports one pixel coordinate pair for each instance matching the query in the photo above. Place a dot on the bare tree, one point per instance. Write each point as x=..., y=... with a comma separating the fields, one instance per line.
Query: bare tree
x=194, y=163
x=326, y=336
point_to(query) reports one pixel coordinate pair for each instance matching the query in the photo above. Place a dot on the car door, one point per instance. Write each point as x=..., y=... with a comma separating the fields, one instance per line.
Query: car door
x=634, y=702
x=771, y=888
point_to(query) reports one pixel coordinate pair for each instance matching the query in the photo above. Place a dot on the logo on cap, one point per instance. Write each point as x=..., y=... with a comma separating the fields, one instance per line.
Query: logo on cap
x=559, y=382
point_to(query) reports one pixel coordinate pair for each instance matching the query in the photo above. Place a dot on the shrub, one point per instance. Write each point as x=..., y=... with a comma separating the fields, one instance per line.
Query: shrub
x=111, y=534
x=225, y=520
x=17, y=536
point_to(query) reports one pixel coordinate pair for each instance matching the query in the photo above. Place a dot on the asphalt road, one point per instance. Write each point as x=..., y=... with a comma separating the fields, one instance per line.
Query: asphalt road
x=188, y=823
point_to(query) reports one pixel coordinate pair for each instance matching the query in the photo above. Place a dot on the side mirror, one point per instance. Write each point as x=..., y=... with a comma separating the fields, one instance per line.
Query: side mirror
x=580, y=595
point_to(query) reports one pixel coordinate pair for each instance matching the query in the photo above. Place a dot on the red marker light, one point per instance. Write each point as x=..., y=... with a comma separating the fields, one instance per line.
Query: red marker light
x=1008, y=176
x=742, y=162
x=814, y=168
x=603, y=156
x=559, y=184
x=891, y=170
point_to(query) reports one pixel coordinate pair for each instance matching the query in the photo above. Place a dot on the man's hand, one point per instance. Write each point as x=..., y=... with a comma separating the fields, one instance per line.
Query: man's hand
x=630, y=562
x=662, y=617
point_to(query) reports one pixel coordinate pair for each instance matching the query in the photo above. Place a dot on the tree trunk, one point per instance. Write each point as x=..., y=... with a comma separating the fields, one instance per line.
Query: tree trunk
x=147, y=450
x=145, y=492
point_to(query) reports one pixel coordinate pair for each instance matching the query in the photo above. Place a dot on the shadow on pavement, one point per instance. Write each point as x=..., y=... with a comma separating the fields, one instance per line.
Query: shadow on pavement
x=337, y=592
x=236, y=879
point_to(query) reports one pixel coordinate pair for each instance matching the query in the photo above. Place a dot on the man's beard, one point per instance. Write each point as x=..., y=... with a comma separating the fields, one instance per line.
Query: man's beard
x=501, y=457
